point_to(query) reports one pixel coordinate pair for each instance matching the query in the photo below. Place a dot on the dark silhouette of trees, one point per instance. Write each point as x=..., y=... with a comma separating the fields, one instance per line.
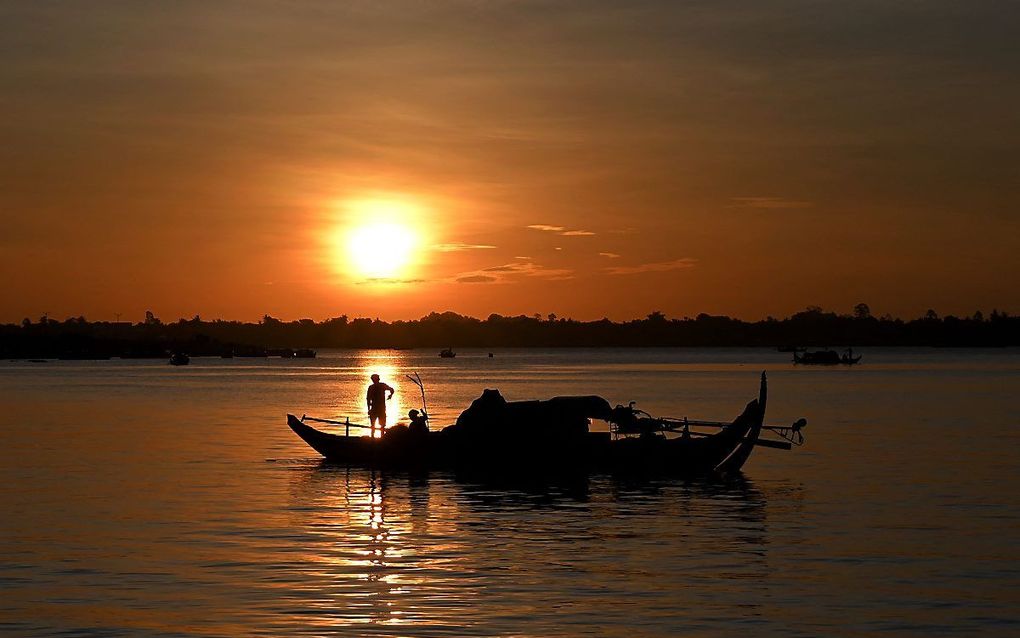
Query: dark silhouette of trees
x=813, y=326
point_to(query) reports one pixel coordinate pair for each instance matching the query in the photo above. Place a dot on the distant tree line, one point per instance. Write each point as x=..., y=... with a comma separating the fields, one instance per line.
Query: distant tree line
x=813, y=327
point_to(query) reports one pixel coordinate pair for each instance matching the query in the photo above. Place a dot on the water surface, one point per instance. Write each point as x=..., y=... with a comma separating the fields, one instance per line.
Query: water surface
x=145, y=500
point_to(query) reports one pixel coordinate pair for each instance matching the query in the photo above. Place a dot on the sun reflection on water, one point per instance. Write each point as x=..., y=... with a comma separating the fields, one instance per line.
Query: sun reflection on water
x=373, y=554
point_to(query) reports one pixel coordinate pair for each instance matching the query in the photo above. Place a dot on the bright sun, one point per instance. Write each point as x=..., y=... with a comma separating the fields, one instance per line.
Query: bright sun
x=379, y=240
x=380, y=250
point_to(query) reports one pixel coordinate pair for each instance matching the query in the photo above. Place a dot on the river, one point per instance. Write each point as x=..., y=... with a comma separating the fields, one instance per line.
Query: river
x=141, y=499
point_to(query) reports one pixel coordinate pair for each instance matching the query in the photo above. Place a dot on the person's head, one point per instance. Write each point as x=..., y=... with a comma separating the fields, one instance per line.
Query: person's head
x=375, y=378
x=413, y=414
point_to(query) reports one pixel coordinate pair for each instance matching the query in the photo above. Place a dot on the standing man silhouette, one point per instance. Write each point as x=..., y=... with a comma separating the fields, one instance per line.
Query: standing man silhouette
x=376, y=399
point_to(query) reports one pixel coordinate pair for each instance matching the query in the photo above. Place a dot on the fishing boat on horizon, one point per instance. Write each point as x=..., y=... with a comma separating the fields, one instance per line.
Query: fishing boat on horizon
x=826, y=357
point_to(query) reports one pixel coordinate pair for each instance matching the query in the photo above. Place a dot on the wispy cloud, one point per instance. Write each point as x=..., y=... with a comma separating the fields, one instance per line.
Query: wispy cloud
x=477, y=279
x=514, y=271
x=609, y=255
x=456, y=247
x=561, y=230
x=390, y=281
x=768, y=203
x=659, y=266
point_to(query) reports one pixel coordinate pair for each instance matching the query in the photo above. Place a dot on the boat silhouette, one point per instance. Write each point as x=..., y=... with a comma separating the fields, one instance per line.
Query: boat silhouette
x=520, y=437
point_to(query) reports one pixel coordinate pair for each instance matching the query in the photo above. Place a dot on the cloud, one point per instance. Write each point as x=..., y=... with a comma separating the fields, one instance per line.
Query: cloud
x=389, y=281
x=660, y=266
x=457, y=246
x=477, y=279
x=514, y=271
x=609, y=255
x=768, y=203
x=560, y=230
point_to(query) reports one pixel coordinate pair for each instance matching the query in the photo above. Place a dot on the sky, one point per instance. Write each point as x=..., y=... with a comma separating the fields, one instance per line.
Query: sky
x=588, y=159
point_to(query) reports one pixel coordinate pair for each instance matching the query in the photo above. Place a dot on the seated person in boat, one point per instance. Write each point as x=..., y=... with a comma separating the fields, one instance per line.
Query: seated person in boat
x=419, y=422
x=376, y=399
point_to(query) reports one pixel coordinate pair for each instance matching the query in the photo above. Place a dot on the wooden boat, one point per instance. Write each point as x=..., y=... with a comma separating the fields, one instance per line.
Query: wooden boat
x=826, y=357
x=640, y=443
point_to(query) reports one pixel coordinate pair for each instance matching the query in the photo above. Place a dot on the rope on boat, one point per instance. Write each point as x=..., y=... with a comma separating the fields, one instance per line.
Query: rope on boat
x=347, y=422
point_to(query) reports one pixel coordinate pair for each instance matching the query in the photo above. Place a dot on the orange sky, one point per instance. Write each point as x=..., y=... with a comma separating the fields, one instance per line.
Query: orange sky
x=588, y=159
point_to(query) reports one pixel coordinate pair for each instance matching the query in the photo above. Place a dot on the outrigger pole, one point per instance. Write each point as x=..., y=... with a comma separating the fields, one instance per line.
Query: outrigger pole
x=791, y=433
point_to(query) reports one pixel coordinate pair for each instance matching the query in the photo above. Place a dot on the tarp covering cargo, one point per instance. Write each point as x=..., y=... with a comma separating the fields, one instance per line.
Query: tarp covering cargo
x=491, y=414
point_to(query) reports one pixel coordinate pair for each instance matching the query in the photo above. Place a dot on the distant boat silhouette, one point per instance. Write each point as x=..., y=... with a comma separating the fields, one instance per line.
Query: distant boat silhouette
x=304, y=353
x=826, y=357
x=179, y=359
x=447, y=353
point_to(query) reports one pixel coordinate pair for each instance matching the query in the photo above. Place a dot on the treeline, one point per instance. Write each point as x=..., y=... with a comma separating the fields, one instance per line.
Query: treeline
x=79, y=338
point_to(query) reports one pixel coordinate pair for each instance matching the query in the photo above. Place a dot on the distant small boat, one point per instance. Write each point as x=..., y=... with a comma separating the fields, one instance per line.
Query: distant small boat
x=179, y=359
x=304, y=353
x=447, y=353
x=826, y=357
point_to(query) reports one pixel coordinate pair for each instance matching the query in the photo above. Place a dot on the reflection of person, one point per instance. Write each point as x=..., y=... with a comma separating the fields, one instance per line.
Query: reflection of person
x=419, y=422
x=376, y=398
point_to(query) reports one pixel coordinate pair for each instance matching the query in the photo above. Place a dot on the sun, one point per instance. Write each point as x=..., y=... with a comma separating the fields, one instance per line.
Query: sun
x=380, y=250
x=379, y=240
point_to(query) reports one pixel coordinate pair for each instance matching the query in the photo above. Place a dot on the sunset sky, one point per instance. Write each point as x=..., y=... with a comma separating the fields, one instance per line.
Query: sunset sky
x=589, y=159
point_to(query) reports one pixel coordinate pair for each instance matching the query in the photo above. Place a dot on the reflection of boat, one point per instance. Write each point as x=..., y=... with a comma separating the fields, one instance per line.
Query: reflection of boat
x=447, y=353
x=179, y=359
x=515, y=437
x=826, y=357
